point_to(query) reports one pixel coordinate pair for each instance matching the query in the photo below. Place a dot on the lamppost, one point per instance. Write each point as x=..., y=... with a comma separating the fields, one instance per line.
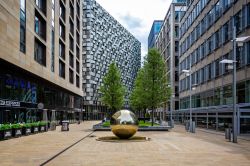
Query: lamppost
x=171, y=107
x=189, y=73
x=240, y=41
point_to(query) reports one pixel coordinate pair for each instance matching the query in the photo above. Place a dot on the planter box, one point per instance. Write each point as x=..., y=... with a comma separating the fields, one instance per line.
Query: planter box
x=17, y=132
x=26, y=131
x=34, y=129
x=5, y=134
x=42, y=128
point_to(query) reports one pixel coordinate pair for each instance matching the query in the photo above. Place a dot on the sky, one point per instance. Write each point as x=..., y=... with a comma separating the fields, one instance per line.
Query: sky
x=137, y=16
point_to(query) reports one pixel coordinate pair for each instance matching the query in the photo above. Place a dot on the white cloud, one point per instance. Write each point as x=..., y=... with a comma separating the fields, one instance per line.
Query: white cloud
x=137, y=15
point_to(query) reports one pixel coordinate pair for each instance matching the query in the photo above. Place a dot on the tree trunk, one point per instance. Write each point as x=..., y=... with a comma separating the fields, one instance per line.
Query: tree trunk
x=145, y=115
x=152, y=115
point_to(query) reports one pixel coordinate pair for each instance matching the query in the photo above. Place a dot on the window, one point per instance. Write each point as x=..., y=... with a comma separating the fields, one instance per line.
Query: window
x=41, y=4
x=77, y=81
x=240, y=57
x=176, y=30
x=61, y=49
x=22, y=26
x=62, y=11
x=71, y=11
x=61, y=69
x=217, y=8
x=248, y=52
x=62, y=30
x=71, y=60
x=40, y=25
x=78, y=24
x=71, y=43
x=77, y=66
x=225, y=32
x=71, y=76
x=52, y=65
x=176, y=46
x=78, y=9
x=52, y=50
x=217, y=39
x=227, y=95
x=40, y=52
x=77, y=38
x=71, y=27
x=238, y=21
x=77, y=52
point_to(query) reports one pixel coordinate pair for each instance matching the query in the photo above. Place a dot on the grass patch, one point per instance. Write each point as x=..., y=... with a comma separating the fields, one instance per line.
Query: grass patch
x=141, y=124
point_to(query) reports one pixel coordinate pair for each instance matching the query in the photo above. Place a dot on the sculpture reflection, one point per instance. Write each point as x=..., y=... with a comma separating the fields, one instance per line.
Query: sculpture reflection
x=124, y=124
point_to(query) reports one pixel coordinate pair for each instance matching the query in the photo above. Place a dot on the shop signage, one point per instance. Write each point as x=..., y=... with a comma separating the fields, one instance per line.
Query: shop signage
x=9, y=103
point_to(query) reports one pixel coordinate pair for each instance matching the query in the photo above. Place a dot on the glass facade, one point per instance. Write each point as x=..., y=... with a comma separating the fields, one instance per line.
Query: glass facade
x=20, y=94
x=155, y=29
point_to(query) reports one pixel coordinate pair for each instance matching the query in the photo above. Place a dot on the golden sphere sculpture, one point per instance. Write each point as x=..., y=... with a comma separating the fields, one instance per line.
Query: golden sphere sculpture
x=124, y=124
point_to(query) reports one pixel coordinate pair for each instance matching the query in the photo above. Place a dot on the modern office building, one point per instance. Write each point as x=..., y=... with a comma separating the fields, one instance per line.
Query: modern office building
x=207, y=33
x=167, y=44
x=105, y=40
x=40, y=62
x=155, y=29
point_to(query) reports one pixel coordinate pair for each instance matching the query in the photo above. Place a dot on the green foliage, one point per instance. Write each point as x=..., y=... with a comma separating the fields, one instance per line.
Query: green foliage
x=43, y=123
x=106, y=124
x=151, y=86
x=112, y=89
x=27, y=125
x=146, y=124
x=147, y=115
x=35, y=124
x=5, y=127
x=17, y=126
x=138, y=95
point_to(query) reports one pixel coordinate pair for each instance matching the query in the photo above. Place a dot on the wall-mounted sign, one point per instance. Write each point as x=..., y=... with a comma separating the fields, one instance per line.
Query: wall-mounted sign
x=9, y=103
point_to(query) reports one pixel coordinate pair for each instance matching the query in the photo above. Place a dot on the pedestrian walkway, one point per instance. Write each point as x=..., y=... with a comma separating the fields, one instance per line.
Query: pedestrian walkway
x=176, y=147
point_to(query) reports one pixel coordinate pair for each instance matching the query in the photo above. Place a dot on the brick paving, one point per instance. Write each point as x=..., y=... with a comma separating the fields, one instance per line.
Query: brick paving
x=175, y=147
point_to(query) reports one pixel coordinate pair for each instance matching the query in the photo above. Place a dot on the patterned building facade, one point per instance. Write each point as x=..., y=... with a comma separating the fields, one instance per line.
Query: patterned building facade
x=105, y=40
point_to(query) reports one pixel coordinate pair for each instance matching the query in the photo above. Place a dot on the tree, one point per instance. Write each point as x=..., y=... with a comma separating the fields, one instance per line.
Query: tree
x=156, y=81
x=112, y=89
x=138, y=100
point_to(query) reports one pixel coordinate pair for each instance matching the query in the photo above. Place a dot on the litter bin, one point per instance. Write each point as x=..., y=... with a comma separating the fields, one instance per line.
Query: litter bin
x=65, y=125
x=187, y=125
x=228, y=133
x=193, y=127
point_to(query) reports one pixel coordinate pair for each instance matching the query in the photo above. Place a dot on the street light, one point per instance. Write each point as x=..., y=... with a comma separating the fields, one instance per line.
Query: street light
x=240, y=41
x=188, y=73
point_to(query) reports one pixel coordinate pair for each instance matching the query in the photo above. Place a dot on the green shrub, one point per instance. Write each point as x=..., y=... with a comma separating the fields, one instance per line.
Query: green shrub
x=147, y=115
x=35, y=124
x=5, y=127
x=43, y=123
x=17, y=126
x=27, y=125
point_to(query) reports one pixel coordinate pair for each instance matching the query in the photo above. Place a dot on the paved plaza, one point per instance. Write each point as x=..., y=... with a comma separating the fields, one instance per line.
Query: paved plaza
x=175, y=147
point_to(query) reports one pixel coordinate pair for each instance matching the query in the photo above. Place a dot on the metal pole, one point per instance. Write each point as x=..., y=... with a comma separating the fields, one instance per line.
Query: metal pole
x=190, y=96
x=171, y=108
x=234, y=88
